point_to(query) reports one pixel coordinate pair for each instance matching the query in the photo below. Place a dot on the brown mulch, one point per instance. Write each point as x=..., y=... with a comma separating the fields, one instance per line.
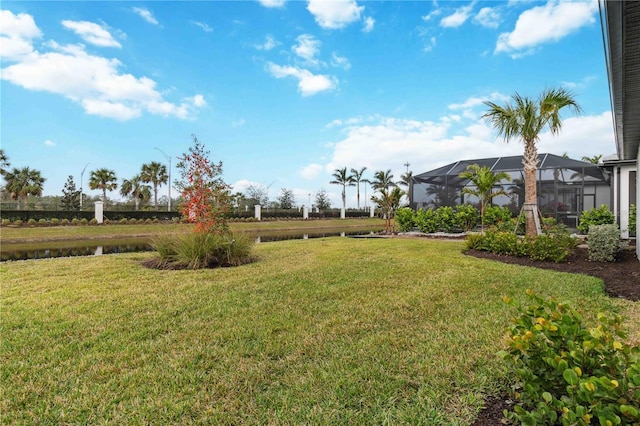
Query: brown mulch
x=621, y=279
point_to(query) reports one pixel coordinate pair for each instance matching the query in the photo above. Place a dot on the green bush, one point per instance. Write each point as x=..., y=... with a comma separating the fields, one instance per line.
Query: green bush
x=123, y=221
x=6, y=222
x=75, y=221
x=405, y=218
x=55, y=221
x=596, y=216
x=93, y=221
x=446, y=218
x=17, y=222
x=84, y=221
x=466, y=217
x=203, y=250
x=31, y=222
x=475, y=242
x=427, y=221
x=552, y=246
x=502, y=243
x=494, y=215
x=604, y=242
x=64, y=222
x=568, y=373
x=42, y=222
x=632, y=220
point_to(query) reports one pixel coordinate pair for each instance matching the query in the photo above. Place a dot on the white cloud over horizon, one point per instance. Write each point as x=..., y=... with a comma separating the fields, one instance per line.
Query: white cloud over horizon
x=146, y=15
x=487, y=17
x=272, y=3
x=308, y=83
x=457, y=18
x=94, y=82
x=545, y=24
x=307, y=48
x=205, y=27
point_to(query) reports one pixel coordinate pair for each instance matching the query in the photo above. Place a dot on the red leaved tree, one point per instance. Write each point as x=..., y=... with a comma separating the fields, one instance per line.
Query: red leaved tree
x=205, y=196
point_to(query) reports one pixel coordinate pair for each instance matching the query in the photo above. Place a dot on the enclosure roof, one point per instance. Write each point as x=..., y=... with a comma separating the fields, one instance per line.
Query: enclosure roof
x=507, y=164
x=622, y=45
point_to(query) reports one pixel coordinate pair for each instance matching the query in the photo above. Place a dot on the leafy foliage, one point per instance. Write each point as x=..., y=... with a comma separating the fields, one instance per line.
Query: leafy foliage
x=632, y=219
x=203, y=250
x=595, y=216
x=486, y=185
x=466, y=217
x=568, y=373
x=205, y=196
x=604, y=242
x=70, y=195
x=405, y=218
x=322, y=201
x=286, y=199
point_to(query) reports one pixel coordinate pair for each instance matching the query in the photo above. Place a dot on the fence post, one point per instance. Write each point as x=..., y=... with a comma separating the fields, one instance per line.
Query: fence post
x=305, y=212
x=99, y=211
x=342, y=213
x=372, y=211
x=258, y=212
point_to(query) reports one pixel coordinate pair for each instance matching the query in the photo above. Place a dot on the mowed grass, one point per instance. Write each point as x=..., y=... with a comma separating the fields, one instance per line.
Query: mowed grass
x=327, y=331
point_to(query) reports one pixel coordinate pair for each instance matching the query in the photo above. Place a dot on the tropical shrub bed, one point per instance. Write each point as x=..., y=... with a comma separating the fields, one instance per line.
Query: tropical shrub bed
x=568, y=372
x=595, y=216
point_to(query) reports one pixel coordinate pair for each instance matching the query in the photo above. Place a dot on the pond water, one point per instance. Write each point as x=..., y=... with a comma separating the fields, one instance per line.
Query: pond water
x=52, y=249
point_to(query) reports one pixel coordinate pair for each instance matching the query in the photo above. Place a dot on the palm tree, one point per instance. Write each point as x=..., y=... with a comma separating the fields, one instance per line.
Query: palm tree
x=593, y=160
x=134, y=187
x=105, y=180
x=4, y=162
x=155, y=173
x=406, y=180
x=486, y=186
x=525, y=119
x=341, y=178
x=23, y=182
x=383, y=180
x=358, y=178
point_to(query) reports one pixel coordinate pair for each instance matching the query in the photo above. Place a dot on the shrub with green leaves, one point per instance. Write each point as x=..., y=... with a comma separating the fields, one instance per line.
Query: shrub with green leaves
x=446, y=218
x=6, y=222
x=551, y=246
x=55, y=221
x=93, y=221
x=466, y=217
x=42, y=222
x=500, y=242
x=405, y=218
x=427, y=221
x=31, y=222
x=604, y=242
x=84, y=221
x=632, y=220
x=64, y=222
x=17, y=222
x=596, y=216
x=568, y=372
x=494, y=215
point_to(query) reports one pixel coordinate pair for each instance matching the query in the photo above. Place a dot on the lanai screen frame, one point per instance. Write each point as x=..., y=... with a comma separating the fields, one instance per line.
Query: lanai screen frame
x=566, y=186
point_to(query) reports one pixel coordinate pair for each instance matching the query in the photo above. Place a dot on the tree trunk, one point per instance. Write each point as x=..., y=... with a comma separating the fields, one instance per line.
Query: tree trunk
x=530, y=163
x=155, y=195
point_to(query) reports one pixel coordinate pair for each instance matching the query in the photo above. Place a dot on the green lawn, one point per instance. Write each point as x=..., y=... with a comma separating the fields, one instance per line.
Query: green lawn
x=328, y=331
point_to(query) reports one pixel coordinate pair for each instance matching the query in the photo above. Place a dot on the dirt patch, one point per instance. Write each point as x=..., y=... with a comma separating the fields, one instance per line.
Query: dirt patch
x=621, y=279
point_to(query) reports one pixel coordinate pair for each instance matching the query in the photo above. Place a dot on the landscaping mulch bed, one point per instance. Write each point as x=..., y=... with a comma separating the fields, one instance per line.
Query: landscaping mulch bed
x=621, y=279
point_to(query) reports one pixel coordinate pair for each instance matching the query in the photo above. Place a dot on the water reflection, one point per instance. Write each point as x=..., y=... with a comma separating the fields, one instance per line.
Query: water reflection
x=10, y=252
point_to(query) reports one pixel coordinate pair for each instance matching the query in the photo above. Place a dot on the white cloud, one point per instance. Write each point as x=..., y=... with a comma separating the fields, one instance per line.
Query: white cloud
x=543, y=24
x=49, y=143
x=307, y=48
x=428, y=47
x=369, y=23
x=432, y=14
x=94, y=82
x=308, y=83
x=146, y=15
x=457, y=18
x=92, y=33
x=310, y=172
x=269, y=43
x=16, y=35
x=272, y=3
x=387, y=143
x=488, y=17
x=475, y=101
x=335, y=14
x=206, y=28
x=340, y=62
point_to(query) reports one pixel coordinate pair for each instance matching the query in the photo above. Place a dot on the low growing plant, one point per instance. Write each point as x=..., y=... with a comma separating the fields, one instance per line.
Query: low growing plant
x=203, y=250
x=494, y=215
x=427, y=221
x=6, y=222
x=64, y=222
x=446, y=218
x=17, y=222
x=55, y=221
x=570, y=373
x=31, y=222
x=596, y=216
x=604, y=242
x=632, y=220
x=405, y=218
x=466, y=217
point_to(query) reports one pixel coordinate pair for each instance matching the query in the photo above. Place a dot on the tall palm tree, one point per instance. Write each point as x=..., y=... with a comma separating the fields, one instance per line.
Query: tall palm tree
x=406, y=180
x=357, y=176
x=4, y=162
x=135, y=188
x=155, y=173
x=383, y=180
x=525, y=119
x=342, y=178
x=486, y=186
x=105, y=180
x=23, y=182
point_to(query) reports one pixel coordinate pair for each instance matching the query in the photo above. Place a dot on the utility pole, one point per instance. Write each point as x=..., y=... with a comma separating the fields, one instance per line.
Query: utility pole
x=81, y=179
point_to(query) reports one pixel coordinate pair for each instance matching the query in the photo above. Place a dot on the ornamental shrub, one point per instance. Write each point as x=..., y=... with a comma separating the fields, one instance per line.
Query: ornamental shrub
x=493, y=215
x=93, y=221
x=596, y=216
x=17, y=222
x=632, y=220
x=75, y=221
x=31, y=222
x=55, y=221
x=64, y=221
x=552, y=246
x=604, y=242
x=466, y=217
x=566, y=372
x=42, y=222
x=427, y=221
x=446, y=218
x=6, y=222
x=502, y=243
x=203, y=250
x=405, y=218
x=84, y=221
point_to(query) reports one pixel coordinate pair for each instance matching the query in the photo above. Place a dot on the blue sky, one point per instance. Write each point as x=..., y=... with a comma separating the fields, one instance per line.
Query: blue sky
x=284, y=92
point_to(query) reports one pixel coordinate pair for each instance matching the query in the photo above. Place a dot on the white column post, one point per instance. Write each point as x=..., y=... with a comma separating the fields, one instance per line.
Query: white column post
x=99, y=211
x=372, y=211
x=258, y=212
x=624, y=203
x=305, y=212
x=342, y=213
